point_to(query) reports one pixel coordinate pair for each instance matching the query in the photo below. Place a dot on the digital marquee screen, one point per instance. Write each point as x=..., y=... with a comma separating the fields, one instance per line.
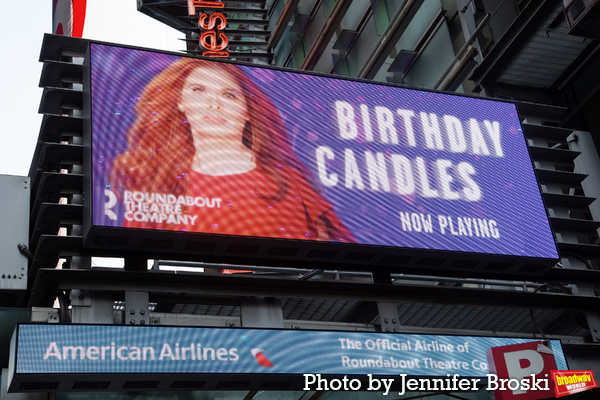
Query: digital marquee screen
x=201, y=146
x=103, y=349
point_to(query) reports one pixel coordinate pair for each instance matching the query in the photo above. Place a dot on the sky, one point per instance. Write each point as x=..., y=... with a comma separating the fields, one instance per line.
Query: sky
x=23, y=30
x=20, y=73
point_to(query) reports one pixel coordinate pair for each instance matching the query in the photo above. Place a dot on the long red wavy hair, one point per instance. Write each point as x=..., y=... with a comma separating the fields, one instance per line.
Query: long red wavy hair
x=160, y=145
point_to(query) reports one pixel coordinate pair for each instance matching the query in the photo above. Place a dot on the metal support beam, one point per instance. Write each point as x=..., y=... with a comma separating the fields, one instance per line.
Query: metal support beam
x=382, y=278
x=92, y=307
x=422, y=43
x=461, y=52
x=581, y=104
x=251, y=395
x=516, y=92
x=136, y=264
x=257, y=312
x=587, y=163
x=593, y=320
x=136, y=308
x=317, y=48
x=507, y=46
x=282, y=23
x=87, y=305
x=388, y=316
x=389, y=39
x=461, y=71
x=49, y=281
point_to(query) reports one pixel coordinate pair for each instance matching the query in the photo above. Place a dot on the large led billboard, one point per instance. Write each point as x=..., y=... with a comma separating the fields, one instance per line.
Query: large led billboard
x=78, y=352
x=205, y=147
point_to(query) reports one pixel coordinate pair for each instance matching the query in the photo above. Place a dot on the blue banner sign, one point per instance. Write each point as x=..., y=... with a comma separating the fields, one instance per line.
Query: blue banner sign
x=101, y=349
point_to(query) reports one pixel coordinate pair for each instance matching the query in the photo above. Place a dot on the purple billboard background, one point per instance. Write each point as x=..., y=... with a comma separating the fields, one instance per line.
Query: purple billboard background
x=509, y=192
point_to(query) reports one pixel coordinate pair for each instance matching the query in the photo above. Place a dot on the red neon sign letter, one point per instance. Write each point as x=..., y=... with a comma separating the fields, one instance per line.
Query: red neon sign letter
x=192, y=4
x=212, y=20
x=209, y=38
x=212, y=44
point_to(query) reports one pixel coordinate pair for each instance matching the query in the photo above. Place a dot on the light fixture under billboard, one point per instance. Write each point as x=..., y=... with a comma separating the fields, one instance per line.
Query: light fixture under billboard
x=190, y=155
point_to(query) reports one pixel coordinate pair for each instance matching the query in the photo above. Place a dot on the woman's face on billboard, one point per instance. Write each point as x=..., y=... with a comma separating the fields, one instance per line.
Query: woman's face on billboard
x=214, y=104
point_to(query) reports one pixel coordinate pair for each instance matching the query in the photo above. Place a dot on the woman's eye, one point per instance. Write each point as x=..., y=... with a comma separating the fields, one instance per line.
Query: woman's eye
x=198, y=90
x=230, y=95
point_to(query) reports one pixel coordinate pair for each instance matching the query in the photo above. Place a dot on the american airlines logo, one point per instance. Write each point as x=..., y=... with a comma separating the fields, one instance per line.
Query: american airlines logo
x=191, y=351
x=259, y=355
x=171, y=352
